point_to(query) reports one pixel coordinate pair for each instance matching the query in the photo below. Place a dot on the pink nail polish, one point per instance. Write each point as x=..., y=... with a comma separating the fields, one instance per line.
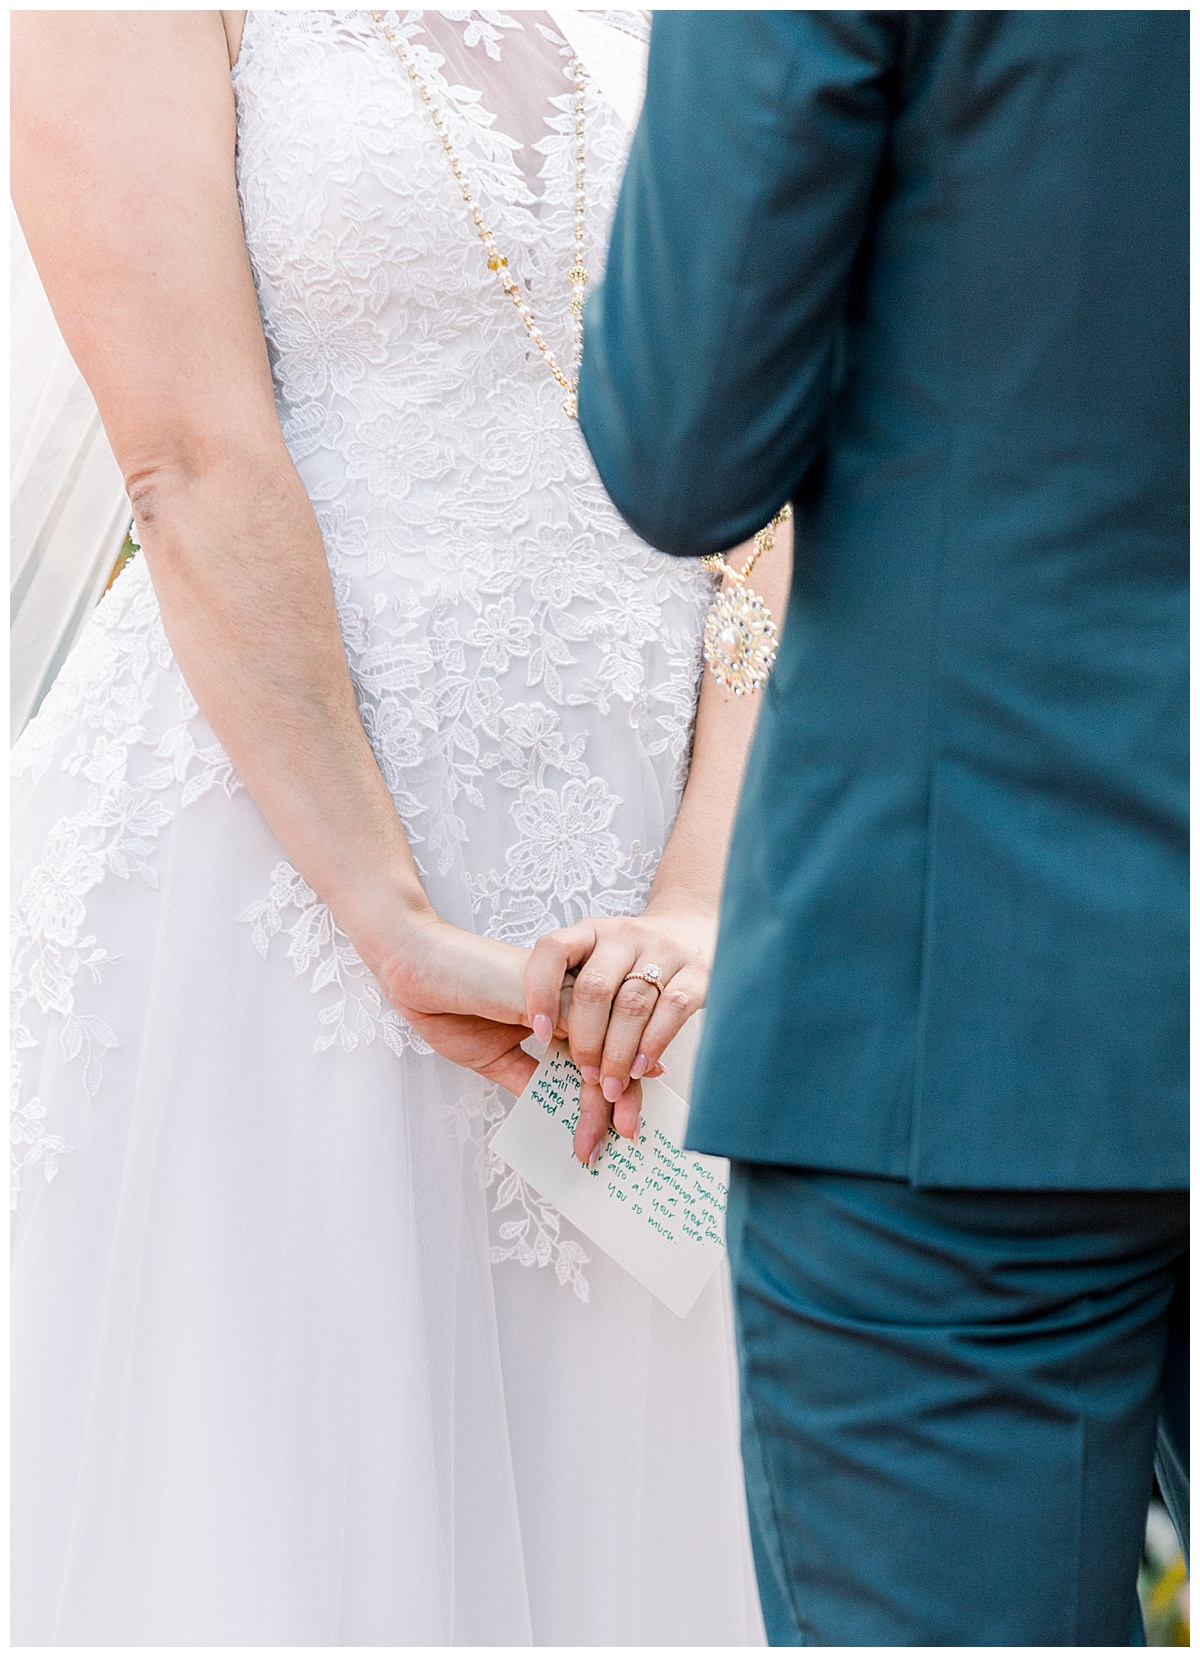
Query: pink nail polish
x=611, y=1089
x=589, y=1073
x=543, y=1028
x=639, y=1068
x=595, y=1156
x=637, y=1130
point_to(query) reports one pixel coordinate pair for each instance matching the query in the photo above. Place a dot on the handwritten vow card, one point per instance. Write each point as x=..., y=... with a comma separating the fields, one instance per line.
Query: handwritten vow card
x=659, y=1211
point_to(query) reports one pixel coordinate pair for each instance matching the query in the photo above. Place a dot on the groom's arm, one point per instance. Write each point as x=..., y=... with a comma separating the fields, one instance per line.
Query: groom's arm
x=708, y=349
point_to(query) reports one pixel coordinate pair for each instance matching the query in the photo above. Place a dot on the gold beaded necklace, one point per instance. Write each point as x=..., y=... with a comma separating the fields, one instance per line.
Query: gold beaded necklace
x=739, y=634
x=577, y=275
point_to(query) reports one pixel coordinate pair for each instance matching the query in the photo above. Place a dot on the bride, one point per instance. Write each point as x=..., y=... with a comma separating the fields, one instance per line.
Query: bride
x=391, y=695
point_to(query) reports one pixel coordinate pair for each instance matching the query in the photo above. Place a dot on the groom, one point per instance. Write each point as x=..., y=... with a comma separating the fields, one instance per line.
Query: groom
x=925, y=275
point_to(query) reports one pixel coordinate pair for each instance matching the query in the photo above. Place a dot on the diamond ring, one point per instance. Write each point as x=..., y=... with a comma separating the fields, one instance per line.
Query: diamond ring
x=651, y=975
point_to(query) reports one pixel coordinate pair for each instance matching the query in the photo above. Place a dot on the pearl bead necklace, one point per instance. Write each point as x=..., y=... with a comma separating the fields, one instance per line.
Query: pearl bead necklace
x=577, y=276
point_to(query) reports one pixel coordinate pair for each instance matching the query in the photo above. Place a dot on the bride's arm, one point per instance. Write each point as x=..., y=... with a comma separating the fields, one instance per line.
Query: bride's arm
x=123, y=178
x=618, y=1032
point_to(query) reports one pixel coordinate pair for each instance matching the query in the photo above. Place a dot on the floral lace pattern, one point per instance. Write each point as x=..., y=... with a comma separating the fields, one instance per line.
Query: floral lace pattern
x=320, y=947
x=525, y=667
x=533, y=1233
x=119, y=684
x=32, y=1146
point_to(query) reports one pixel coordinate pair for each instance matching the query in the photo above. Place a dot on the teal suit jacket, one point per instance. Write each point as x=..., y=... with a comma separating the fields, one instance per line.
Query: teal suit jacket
x=925, y=274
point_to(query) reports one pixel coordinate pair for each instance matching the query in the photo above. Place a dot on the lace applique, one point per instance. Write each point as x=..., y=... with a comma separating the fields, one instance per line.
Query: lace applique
x=97, y=718
x=533, y=1236
x=534, y=1233
x=32, y=1146
x=483, y=28
x=317, y=945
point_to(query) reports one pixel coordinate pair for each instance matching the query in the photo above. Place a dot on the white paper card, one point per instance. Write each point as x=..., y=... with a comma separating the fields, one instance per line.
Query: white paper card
x=659, y=1211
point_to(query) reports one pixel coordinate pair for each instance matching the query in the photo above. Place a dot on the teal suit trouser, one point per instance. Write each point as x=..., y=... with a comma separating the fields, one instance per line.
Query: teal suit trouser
x=952, y=1402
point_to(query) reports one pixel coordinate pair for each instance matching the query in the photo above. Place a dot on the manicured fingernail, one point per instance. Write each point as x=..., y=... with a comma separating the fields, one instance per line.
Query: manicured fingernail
x=595, y=1156
x=543, y=1027
x=611, y=1089
x=589, y=1073
x=639, y=1068
x=637, y=1130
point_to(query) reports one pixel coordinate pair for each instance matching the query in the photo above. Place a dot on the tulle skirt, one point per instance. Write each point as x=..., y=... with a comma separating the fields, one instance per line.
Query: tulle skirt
x=283, y=1370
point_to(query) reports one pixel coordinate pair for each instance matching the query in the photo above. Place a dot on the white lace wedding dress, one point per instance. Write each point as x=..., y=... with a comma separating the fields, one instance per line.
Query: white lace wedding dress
x=296, y=1360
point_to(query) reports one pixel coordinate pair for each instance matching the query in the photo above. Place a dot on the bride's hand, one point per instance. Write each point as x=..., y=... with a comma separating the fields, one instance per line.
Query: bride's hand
x=492, y=1050
x=617, y=1030
x=464, y=995
x=439, y=968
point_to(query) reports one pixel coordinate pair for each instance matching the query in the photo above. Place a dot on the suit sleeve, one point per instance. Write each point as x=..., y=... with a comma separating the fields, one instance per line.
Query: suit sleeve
x=708, y=348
